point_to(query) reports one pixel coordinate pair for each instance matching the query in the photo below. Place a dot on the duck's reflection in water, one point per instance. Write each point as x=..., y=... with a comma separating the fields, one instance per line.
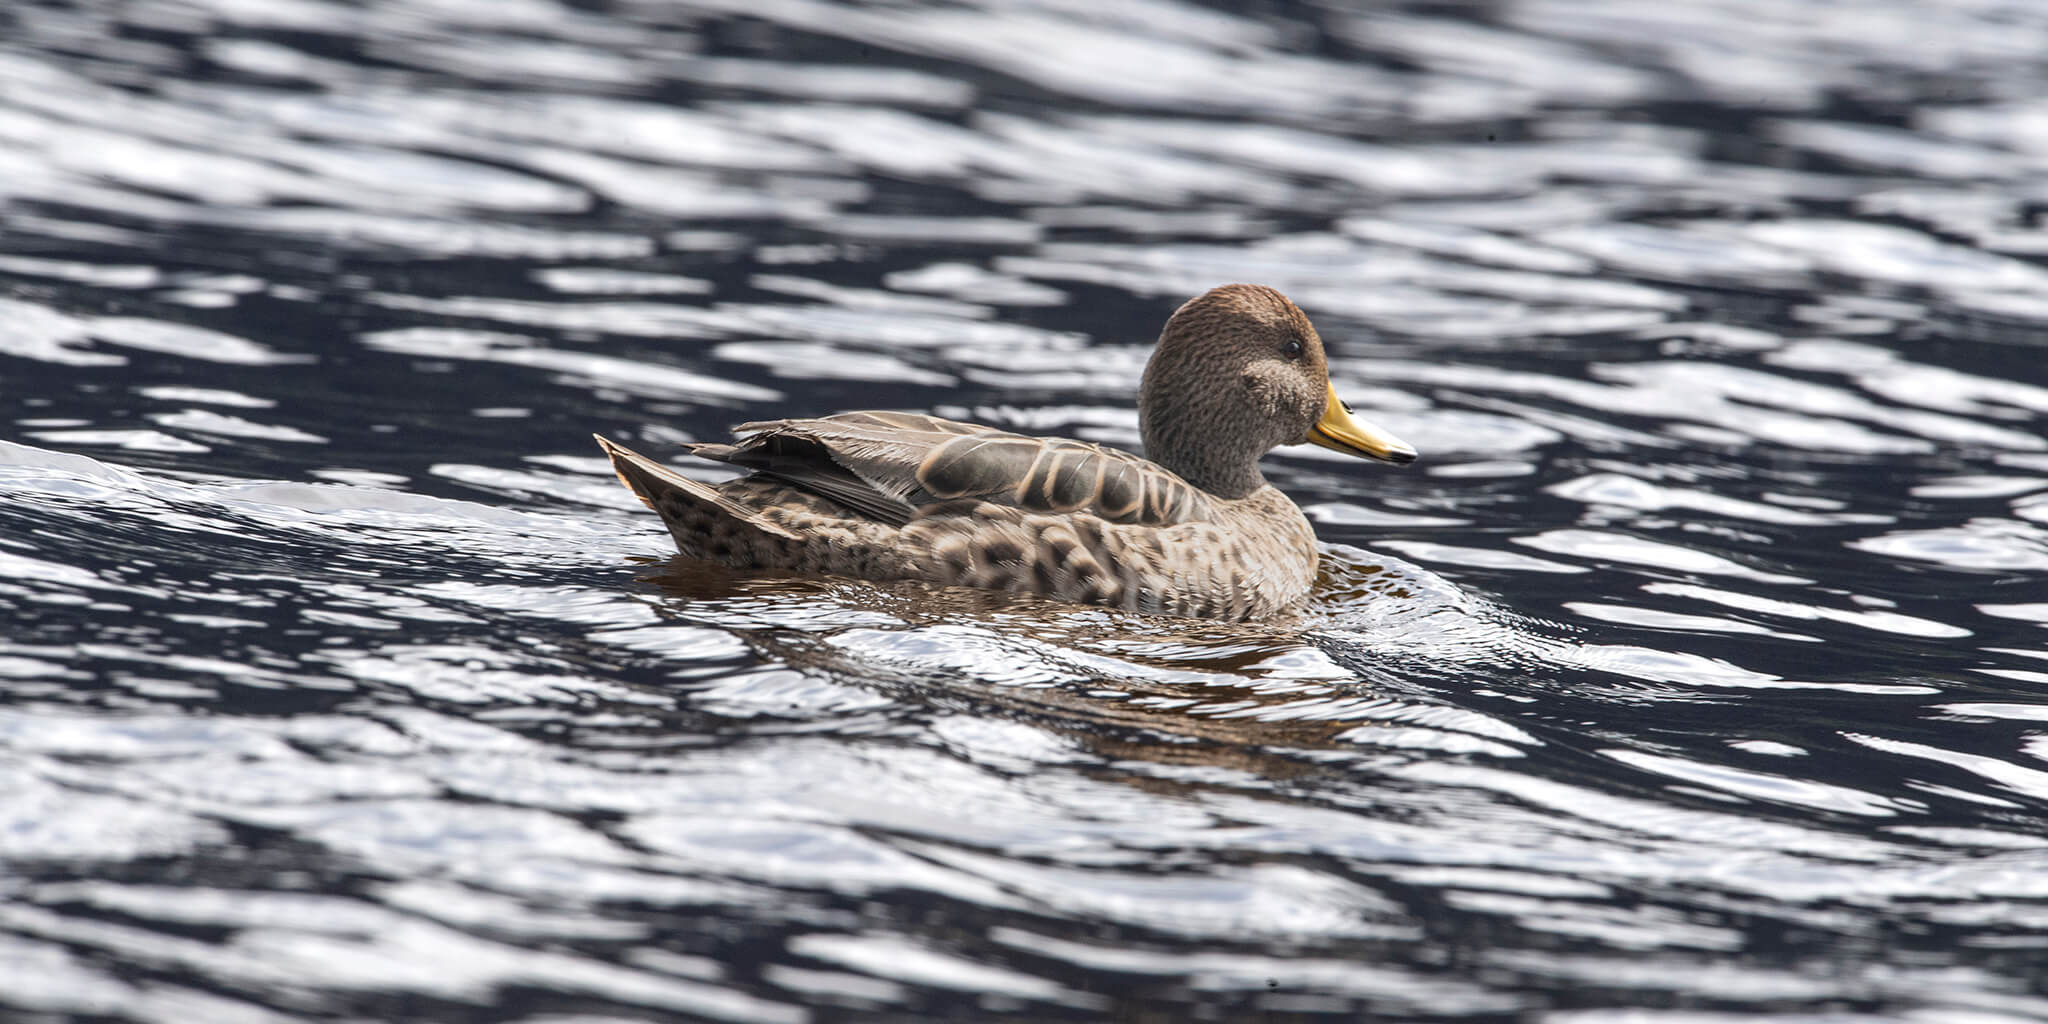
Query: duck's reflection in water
x=1277, y=698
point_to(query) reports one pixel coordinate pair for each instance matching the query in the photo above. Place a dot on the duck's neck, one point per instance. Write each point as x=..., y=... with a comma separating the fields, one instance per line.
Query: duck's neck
x=1199, y=454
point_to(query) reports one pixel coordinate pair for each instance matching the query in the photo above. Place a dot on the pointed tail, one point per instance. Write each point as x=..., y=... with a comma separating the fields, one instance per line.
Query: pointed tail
x=657, y=486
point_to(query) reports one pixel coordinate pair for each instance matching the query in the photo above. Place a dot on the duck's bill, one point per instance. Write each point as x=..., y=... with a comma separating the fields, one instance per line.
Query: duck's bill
x=1340, y=431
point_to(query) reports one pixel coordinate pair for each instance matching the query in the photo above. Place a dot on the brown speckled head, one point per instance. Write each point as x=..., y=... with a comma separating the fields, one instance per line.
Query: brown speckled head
x=1238, y=372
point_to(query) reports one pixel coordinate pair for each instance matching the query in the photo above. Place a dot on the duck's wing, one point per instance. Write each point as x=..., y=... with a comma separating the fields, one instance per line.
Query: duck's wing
x=891, y=465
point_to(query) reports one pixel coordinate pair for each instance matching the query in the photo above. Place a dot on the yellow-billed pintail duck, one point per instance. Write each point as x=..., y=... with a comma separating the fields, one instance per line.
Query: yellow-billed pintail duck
x=1195, y=531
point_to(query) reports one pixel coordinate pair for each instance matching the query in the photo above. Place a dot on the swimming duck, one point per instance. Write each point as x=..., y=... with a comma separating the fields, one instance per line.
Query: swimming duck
x=1194, y=531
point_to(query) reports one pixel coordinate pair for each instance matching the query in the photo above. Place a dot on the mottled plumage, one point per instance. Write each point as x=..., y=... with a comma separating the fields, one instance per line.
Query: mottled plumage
x=1194, y=531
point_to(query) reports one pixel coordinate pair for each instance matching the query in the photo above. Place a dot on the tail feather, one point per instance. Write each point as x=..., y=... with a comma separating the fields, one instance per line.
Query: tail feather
x=651, y=481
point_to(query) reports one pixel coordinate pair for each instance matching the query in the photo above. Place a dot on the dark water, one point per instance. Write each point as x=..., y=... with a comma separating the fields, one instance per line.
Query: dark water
x=1695, y=675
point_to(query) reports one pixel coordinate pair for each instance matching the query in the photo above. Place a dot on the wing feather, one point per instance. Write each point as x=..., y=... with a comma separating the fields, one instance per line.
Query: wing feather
x=890, y=465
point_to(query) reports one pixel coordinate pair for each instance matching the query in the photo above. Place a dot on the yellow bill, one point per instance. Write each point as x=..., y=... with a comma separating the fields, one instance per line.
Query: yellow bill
x=1339, y=431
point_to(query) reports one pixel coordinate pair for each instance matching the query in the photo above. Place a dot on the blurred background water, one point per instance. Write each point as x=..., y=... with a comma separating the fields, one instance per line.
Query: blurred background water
x=1695, y=674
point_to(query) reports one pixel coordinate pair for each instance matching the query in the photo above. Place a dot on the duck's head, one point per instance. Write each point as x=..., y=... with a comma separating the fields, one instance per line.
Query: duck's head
x=1240, y=371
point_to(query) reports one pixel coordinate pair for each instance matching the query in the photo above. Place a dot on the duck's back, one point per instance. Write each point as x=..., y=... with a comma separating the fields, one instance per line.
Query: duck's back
x=885, y=495
x=895, y=467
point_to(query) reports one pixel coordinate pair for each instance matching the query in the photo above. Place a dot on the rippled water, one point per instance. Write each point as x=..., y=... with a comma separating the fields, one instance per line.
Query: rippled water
x=1697, y=673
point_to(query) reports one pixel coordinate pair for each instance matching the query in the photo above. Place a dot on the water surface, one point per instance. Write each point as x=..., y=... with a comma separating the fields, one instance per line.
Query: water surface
x=1695, y=674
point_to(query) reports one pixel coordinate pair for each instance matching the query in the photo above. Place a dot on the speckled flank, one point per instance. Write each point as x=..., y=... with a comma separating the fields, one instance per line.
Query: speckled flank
x=1266, y=547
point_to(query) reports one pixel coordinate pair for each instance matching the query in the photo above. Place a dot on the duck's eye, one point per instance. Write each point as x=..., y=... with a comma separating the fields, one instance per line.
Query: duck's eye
x=1292, y=349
